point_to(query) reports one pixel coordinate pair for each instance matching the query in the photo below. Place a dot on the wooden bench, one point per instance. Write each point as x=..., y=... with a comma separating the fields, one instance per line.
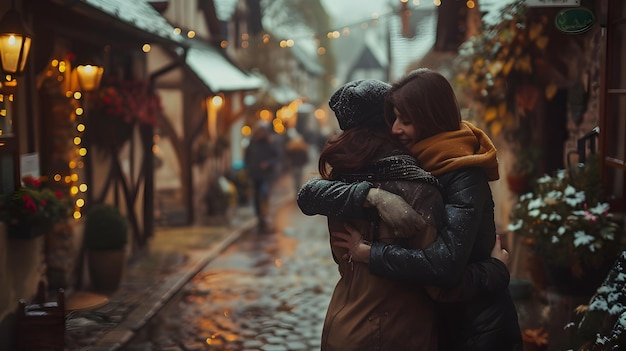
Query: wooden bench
x=40, y=325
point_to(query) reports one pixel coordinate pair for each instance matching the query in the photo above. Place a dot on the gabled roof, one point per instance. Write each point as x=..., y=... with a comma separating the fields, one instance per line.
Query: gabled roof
x=136, y=14
x=405, y=51
x=225, y=9
x=217, y=72
x=283, y=94
x=309, y=62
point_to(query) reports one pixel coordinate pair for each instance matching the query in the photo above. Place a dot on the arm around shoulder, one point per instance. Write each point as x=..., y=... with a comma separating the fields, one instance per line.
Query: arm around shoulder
x=333, y=198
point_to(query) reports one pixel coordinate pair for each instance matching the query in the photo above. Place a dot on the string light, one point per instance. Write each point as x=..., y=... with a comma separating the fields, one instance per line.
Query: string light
x=344, y=30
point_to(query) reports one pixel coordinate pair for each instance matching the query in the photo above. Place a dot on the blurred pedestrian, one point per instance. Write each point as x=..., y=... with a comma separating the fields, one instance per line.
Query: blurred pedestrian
x=261, y=159
x=297, y=152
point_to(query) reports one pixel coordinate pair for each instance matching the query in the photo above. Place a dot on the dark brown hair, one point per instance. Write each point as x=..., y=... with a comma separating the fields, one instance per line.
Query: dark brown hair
x=354, y=149
x=427, y=99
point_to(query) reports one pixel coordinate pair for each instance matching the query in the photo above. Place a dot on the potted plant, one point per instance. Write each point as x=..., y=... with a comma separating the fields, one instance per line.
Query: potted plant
x=601, y=326
x=525, y=158
x=535, y=339
x=565, y=223
x=32, y=209
x=105, y=239
x=519, y=177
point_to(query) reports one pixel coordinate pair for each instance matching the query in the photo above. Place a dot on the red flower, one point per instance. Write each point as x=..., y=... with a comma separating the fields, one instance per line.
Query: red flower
x=29, y=180
x=29, y=203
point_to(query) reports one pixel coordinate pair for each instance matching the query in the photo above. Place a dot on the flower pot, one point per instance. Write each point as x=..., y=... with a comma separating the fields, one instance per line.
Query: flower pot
x=106, y=269
x=518, y=183
x=531, y=346
x=24, y=230
x=585, y=284
x=536, y=269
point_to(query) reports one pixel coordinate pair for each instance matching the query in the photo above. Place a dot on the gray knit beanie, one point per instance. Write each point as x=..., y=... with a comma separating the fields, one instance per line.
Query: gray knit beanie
x=360, y=103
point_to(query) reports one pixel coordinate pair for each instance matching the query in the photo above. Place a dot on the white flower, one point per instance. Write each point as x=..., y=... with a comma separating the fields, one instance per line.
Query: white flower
x=526, y=196
x=555, y=217
x=569, y=190
x=617, y=309
x=582, y=238
x=573, y=197
x=545, y=179
x=622, y=320
x=607, y=234
x=598, y=304
x=554, y=194
x=535, y=204
x=513, y=227
x=600, y=208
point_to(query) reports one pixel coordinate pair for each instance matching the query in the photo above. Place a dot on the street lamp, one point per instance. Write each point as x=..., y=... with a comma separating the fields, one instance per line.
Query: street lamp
x=15, y=40
x=89, y=77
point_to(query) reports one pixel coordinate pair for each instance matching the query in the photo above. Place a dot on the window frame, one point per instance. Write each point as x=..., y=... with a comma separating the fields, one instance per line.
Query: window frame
x=612, y=21
x=9, y=145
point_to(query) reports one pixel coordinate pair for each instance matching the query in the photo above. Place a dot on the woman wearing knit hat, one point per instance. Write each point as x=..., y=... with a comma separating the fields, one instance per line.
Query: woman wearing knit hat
x=425, y=118
x=366, y=311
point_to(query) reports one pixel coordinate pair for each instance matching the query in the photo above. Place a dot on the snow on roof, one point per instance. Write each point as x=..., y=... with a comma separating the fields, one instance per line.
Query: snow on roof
x=225, y=9
x=405, y=51
x=307, y=61
x=281, y=24
x=219, y=74
x=139, y=14
x=283, y=94
x=492, y=10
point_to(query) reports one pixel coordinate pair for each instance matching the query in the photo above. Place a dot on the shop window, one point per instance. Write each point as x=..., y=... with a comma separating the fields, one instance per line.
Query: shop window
x=8, y=144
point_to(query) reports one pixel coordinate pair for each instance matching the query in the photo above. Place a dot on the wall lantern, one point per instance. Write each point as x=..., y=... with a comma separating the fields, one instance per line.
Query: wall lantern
x=15, y=40
x=89, y=77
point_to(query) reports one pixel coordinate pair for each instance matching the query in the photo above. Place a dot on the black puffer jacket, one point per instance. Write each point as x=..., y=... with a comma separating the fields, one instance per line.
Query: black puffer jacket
x=487, y=323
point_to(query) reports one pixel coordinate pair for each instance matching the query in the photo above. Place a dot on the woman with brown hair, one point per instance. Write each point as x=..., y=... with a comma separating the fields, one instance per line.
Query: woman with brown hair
x=425, y=117
x=367, y=312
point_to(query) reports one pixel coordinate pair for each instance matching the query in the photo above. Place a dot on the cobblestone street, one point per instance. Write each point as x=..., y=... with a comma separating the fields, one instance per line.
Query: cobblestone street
x=265, y=292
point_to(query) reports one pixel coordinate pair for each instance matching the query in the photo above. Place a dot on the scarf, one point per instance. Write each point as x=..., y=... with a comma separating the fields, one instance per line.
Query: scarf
x=449, y=151
x=395, y=167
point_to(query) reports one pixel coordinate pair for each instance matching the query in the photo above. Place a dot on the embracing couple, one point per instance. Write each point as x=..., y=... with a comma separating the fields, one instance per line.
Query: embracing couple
x=406, y=191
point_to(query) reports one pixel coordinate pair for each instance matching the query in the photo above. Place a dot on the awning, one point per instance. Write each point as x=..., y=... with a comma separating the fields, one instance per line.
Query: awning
x=217, y=72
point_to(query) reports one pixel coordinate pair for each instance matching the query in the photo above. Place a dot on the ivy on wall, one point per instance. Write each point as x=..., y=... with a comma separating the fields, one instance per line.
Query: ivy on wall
x=505, y=67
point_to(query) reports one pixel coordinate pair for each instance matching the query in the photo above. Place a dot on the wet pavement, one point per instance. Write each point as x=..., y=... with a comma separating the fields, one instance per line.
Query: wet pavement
x=265, y=292
x=227, y=287
x=173, y=257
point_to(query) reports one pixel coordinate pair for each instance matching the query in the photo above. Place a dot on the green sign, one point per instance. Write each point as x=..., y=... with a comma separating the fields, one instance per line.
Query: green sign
x=574, y=20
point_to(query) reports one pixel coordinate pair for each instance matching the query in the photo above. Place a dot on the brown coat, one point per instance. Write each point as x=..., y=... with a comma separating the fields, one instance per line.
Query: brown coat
x=367, y=312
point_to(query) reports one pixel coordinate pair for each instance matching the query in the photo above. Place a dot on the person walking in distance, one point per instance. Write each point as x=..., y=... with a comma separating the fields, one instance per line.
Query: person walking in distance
x=261, y=160
x=297, y=153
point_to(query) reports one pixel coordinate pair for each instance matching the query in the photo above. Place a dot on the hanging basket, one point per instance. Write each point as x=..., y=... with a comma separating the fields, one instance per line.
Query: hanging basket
x=565, y=282
x=518, y=183
x=107, y=131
